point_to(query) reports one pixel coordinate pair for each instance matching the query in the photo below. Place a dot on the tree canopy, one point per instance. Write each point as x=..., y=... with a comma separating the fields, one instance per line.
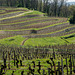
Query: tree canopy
x=51, y=7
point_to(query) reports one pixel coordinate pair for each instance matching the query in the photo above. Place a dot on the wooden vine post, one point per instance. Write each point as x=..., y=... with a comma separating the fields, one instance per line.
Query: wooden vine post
x=66, y=66
x=59, y=68
x=62, y=66
x=70, y=65
x=9, y=60
x=14, y=59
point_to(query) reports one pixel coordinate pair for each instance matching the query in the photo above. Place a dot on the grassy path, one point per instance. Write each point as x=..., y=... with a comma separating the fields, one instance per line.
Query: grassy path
x=22, y=43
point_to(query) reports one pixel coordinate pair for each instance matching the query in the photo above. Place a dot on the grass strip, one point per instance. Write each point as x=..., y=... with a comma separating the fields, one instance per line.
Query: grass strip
x=10, y=13
x=46, y=41
x=55, y=31
x=36, y=28
x=15, y=15
x=27, y=21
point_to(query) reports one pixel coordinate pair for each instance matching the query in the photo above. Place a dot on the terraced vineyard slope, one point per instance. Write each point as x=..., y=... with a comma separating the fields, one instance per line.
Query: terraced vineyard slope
x=34, y=44
x=33, y=26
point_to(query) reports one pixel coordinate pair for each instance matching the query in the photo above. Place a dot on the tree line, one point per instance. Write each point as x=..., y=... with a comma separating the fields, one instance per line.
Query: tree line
x=57, y=8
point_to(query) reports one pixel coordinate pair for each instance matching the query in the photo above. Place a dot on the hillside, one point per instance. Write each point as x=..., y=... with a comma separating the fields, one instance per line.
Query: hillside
x=31, y=43
x=18, y=24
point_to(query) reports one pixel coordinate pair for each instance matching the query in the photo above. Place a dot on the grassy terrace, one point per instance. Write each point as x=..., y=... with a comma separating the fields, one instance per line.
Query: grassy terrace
x=37, y=28
x=16, y=14
x=17, y=40
x=62, y=30
x=11, y=13
x=34, y=20
x=26, y=13
x=24, y=21
x=34, y=13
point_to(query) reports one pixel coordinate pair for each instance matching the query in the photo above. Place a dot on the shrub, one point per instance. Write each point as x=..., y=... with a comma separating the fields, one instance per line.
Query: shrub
x=33, y=31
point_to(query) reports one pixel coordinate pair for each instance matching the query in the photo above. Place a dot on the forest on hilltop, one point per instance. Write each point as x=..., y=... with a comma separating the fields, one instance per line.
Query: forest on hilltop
x=58, y=8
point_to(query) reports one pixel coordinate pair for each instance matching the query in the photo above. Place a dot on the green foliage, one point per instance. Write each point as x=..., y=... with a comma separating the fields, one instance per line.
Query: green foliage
x=72, y=19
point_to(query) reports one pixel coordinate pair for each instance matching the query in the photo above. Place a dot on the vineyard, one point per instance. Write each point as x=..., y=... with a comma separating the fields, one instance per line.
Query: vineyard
x=31, y=43
x=37, y=61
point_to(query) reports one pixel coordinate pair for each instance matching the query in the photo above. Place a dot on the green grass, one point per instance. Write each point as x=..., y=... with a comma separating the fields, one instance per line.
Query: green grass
x=35, y=13
x=16, y=40
x=69, y=38
x=22, y=8
x=10, y=13
x=44, y=41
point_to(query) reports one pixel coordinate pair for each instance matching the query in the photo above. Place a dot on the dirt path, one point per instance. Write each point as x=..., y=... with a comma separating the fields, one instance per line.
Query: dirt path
x=22, y=43
x=15, y=15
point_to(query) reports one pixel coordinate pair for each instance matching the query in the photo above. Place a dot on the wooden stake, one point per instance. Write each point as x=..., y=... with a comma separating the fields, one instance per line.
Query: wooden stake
x=66, y=66
x=62, y=66
x=9, y=60
x=59, y=67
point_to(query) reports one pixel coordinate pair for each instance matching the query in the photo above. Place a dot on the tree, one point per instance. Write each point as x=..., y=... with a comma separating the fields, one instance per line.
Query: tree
x=55, y=7
x=72, y=19
x=72, y=9
x=61, y=2
x=51, y=7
